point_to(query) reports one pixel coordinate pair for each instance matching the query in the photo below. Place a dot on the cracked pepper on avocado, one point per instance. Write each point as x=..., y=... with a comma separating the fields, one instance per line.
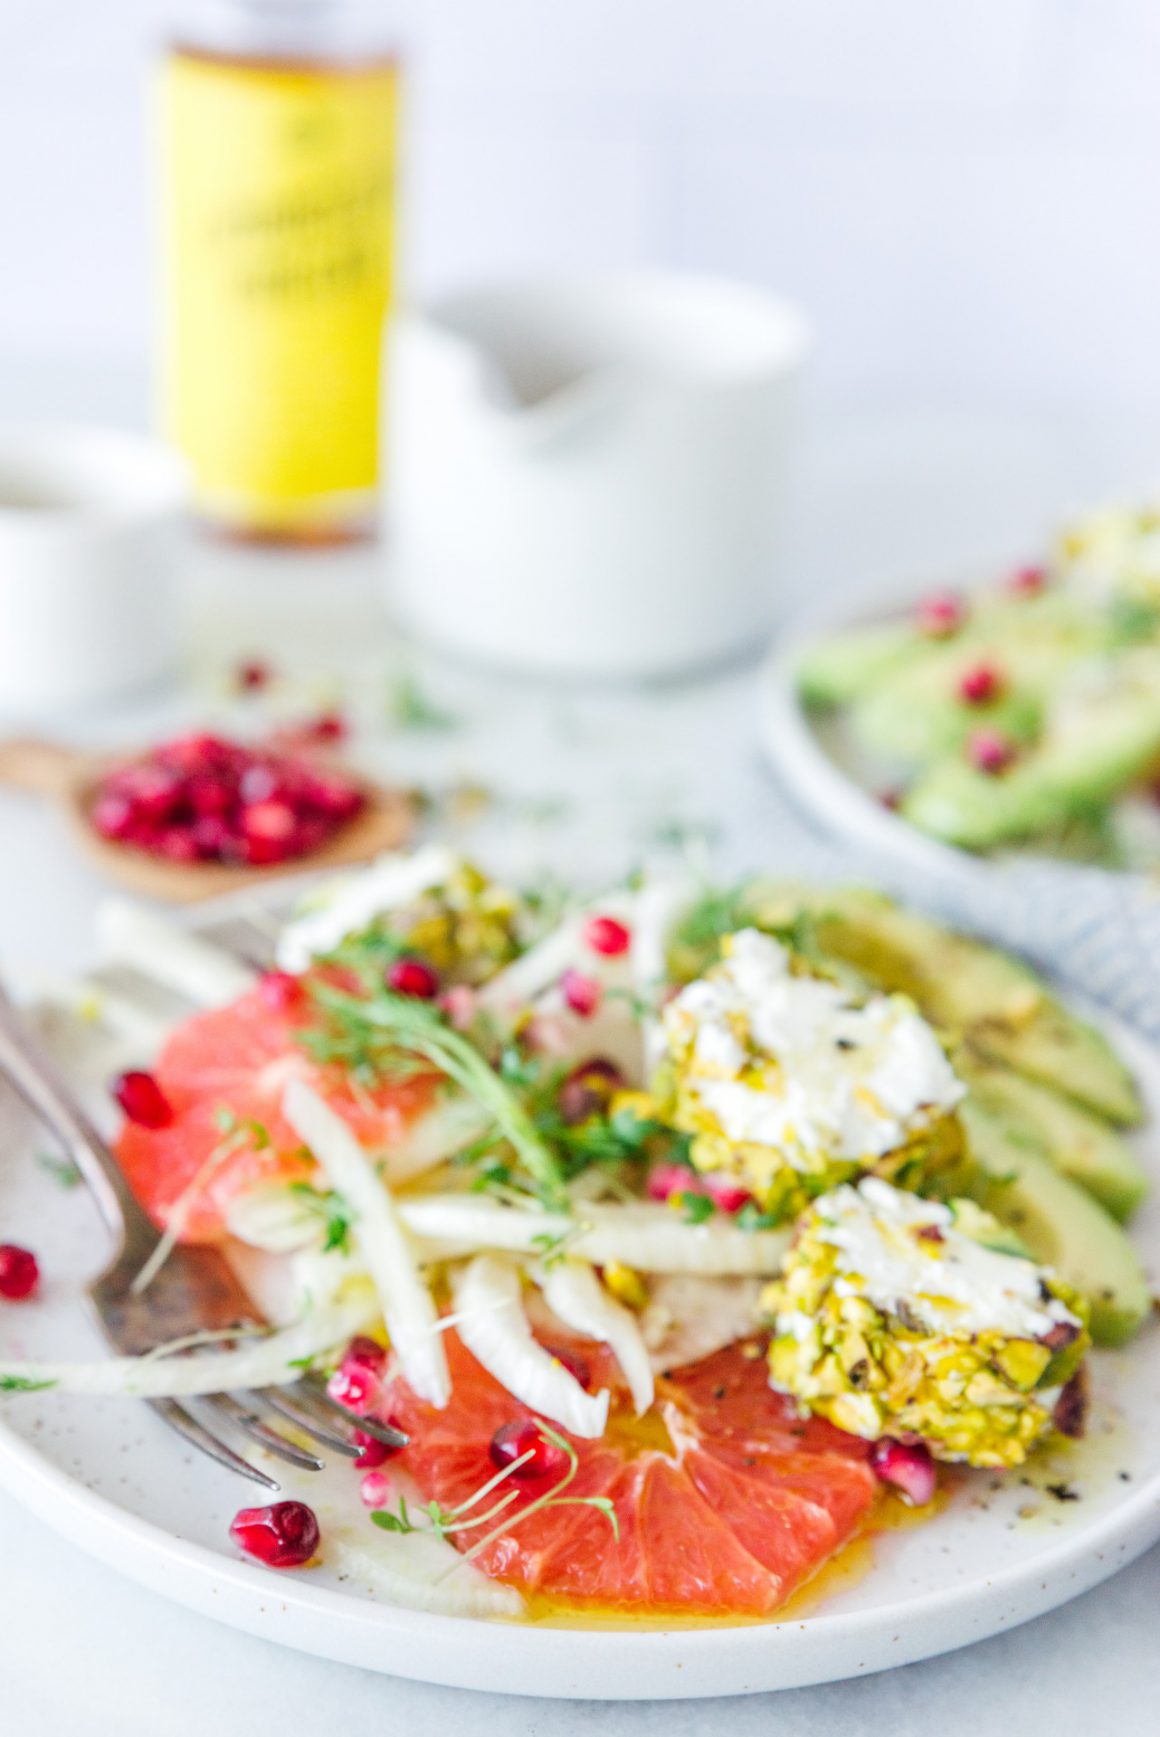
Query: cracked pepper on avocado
x=673, y=1229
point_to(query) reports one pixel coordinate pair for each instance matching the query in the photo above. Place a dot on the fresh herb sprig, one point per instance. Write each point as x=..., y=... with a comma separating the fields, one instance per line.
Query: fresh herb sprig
x=385, y=1025
x=432, y=1517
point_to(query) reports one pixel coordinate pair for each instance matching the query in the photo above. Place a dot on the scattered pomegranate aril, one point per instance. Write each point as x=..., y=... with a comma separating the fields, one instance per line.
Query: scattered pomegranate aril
x=280, y=990
x=907, y=1467
x=587, y=1090
x=582, y=994
x=666, y=1179
x=253, y=675
x=1070, y=1414
x=726, y=1195
x=1063, y=1334
x=372, y=1452
x=669, y=1181
x=524, y=1436
x=363, y=1352
x=990, y=751
x=142, y=1099
x=354, y=1387
x=202, y=798
x=1028, y=581
x=940, y=616
x=980, y=684
x=284, y=1535
x=19, y=1272
x=413, y=977
x=607, y=935
x=376, y=1490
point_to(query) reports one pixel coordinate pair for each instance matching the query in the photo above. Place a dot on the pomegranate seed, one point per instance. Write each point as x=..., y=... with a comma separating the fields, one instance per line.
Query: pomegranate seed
x=19, y=1273
x=666, y=1179
x=524, y=1436
x=268, y=821
x=940, y=616
x=607, y=935
x=574, y=1362
x=413, y=977
x=280, y=990
x=363, y=1352
x=355, y=1387
x=980, y=684
x=328, y=727
x=587, y=1089
x=892, y=800
x=372, y=1451
x=113, y=815
x=376, y=1490
x=726, y=1196
x=213, y=838
x=284, y=1535
x=176, y=844
x=253, y=675
x=908, y=1467
x=1070, y=1414
x=990, y=751
x=582, y=994
x=142, y=1099
x=1028, y=581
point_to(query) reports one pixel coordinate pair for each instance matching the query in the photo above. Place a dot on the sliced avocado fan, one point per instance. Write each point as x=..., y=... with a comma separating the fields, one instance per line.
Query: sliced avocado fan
x=1060, y=1223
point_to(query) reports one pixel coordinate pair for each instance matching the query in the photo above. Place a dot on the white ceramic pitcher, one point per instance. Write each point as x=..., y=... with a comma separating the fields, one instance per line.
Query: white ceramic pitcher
x=589, y=477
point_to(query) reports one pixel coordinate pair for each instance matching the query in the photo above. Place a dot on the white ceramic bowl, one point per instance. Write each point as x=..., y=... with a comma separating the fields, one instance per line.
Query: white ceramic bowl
x=589, y=477
x=90, y=522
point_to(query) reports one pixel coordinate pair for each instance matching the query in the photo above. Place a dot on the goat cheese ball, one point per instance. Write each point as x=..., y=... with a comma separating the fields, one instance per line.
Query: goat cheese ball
x=903, y=1317
x=792, y=1084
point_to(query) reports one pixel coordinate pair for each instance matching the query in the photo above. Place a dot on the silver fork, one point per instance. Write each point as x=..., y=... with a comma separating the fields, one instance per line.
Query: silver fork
x=195, y=1291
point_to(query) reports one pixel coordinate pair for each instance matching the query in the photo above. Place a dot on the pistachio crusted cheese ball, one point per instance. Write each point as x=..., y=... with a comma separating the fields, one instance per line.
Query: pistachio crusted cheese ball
x=897, y=1316
x=788, y=1082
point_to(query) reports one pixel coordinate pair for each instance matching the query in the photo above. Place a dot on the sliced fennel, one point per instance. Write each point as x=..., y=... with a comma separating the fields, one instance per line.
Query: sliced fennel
x=497, y=1332
x=650, y=1237
x=381, y=1243
x=347, y=905
x=416, y=1569
x=168, y=953
x=414, y=1026
x=273, y=1360
x=658, y=906
x=574, y=1293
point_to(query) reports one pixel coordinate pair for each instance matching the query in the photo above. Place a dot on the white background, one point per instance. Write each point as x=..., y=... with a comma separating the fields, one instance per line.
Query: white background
x=964, y=195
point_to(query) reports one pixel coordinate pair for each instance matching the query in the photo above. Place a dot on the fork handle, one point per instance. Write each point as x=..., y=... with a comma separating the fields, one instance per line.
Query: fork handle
x=38, y=1082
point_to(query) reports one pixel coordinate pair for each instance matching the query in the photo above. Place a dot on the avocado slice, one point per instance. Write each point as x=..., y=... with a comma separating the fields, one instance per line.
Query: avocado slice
x=1102, y=743
x=1060, y=1223
x=837, y=670
x=967, y=988
x=920, y=717
x=1078, y=1143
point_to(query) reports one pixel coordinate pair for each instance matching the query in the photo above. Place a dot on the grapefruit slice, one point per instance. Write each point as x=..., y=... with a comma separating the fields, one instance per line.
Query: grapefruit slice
x=231, y=1067
x=726, y=1501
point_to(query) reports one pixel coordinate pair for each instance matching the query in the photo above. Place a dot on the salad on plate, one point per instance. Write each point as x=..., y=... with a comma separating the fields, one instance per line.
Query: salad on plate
x=686, y=1233
x=1019, y=716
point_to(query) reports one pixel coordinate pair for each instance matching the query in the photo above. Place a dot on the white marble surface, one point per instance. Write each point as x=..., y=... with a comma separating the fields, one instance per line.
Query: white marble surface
x=593, y=779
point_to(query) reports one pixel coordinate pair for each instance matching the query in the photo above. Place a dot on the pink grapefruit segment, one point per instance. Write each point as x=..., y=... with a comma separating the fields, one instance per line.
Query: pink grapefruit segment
x=726, y=1501
x=238, y=1059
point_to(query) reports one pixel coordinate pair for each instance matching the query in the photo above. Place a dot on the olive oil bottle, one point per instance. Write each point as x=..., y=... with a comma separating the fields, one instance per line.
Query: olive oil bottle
x=278, y=126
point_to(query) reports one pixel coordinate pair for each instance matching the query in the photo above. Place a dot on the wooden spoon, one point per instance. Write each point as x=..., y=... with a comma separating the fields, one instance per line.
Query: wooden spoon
x=71, y=777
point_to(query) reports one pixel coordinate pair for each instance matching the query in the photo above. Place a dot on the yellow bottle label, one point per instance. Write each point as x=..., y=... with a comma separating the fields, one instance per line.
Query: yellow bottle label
x=279, y=187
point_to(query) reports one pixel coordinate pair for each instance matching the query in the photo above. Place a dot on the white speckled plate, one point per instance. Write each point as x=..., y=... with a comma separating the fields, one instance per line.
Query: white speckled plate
x=115, y=1481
